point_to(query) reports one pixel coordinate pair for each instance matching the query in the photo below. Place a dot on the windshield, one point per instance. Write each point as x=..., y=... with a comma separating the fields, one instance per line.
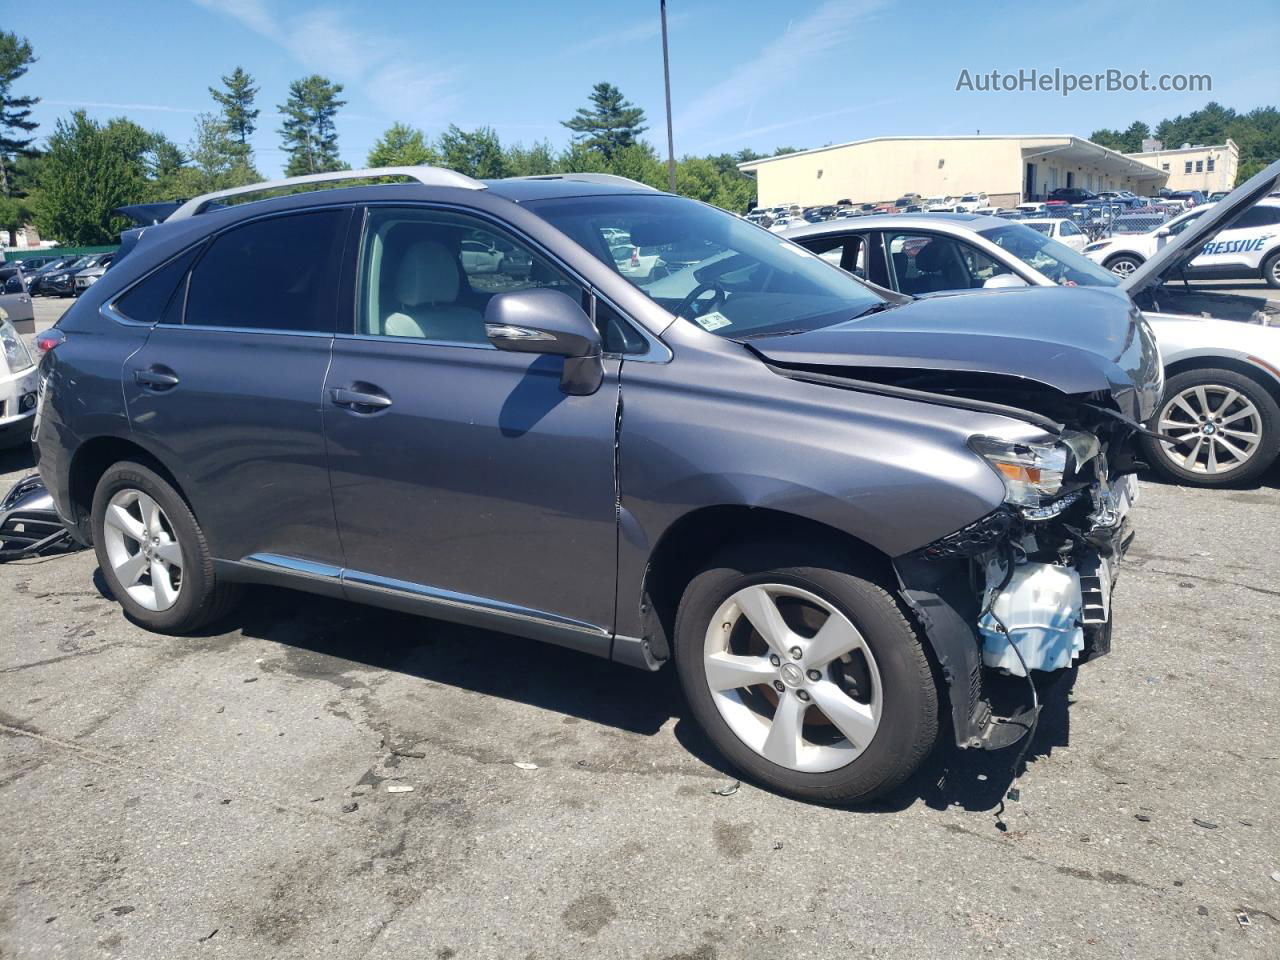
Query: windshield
x=1059, y=263
x=709, y=267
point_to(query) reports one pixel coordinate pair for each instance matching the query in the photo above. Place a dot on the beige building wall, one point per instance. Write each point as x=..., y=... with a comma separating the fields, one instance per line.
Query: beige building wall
x=883, y=169
x=1207, y=169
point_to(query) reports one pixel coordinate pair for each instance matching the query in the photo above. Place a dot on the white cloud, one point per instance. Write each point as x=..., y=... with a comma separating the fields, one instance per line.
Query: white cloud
x=833, y=24
x=98, y=104
x=377, y=65
x=633, y=33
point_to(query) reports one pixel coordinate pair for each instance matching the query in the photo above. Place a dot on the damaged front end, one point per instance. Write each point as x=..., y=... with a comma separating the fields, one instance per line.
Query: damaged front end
x=1028, y=587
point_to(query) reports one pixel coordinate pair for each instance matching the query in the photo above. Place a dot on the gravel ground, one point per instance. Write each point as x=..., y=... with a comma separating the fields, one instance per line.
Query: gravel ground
x=234, y=795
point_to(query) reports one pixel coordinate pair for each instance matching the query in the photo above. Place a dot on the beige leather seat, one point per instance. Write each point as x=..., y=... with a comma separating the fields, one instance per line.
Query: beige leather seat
x=426, y=287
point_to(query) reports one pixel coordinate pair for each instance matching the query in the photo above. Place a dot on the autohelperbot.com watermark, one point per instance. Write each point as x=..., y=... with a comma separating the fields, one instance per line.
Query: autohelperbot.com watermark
x=1064, y=82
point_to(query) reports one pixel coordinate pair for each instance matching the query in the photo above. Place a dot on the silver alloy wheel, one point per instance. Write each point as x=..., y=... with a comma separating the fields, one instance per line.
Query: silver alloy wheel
x=143, y=552
x=1124, y=268
x=1218, y=426
x=802, y=674
x=1275, y=271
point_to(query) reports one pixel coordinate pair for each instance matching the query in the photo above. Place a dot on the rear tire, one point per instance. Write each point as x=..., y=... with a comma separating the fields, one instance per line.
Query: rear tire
x=1244, y=418
x=841, y=730
x=144, y=533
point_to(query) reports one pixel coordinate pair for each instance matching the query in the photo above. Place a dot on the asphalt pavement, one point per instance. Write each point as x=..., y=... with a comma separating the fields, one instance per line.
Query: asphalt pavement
x=318, y=779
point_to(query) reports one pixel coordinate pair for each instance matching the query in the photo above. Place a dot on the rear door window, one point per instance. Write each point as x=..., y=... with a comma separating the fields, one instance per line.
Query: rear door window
x=279, y=273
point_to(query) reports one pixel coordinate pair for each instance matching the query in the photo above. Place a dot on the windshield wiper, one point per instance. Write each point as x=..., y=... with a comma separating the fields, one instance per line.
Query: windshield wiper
x=875, y=308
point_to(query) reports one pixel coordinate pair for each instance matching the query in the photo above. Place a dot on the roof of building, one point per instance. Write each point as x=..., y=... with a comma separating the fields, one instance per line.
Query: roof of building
x=1229, y=145
x=1062, y=142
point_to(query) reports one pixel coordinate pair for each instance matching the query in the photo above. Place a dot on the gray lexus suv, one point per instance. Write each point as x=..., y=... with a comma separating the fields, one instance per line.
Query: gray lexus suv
x=839, y=511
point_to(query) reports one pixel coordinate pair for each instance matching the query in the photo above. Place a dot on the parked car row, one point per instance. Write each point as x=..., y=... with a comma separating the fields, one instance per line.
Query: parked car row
x=63, y=276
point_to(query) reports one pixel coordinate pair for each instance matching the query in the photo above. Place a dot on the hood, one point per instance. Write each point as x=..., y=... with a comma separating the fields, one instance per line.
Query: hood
x=1072, y=341
x=1172, y=257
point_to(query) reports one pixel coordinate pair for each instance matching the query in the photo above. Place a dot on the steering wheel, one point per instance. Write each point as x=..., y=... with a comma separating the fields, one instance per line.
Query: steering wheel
x=698, y=291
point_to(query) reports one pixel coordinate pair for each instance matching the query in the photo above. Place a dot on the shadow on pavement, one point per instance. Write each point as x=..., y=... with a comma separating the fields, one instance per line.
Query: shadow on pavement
x=15, y=459
x=333, y=634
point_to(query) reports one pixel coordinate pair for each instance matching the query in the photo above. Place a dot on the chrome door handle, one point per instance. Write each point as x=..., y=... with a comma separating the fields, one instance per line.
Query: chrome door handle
x=349, y=397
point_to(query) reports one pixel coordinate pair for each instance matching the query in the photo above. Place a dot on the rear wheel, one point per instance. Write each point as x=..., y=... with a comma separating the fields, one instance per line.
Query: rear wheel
x=153, y=554
x=1124, y=265
x=805, y=674
x=1227, y=427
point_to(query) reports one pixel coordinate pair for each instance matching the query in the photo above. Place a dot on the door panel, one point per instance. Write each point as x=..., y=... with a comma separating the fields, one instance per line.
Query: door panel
x=242, y=427
x=480, y=478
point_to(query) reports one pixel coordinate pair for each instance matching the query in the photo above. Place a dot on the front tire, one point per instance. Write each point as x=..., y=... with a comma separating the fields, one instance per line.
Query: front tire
x=805, y=673
x=153, y=553
x=1228, y=424
x=1124, y=265
x=1271, y=270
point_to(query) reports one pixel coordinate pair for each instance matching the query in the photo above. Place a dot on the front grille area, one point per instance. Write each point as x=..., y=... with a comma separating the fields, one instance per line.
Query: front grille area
x=22, y=532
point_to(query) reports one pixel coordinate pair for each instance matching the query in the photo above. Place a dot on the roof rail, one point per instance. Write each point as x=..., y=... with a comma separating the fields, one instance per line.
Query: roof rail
x=608, y=179
x=427, y=176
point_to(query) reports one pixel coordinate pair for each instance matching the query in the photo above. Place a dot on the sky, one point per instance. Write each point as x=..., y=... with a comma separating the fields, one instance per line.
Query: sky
x=744, y=73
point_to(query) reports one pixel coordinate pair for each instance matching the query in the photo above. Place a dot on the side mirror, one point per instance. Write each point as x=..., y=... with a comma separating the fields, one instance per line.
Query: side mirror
x=1003, y=281
x=548, y=321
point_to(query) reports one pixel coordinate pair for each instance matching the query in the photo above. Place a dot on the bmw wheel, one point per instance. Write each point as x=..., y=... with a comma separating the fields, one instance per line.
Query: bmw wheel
x=153, y=554
x=1124, y=265
x=1225, y=425
x=805, y=674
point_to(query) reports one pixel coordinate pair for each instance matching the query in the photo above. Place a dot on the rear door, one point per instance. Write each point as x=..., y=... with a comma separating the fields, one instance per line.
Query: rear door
x=226, y=389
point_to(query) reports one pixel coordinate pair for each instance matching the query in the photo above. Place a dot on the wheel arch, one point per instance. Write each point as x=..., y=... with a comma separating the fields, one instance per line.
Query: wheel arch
x=690, y=541
x=1255, y=372
x=92, y=459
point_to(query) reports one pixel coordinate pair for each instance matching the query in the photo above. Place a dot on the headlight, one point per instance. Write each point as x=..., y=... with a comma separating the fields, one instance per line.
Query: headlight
x=16, y=355
x=1032, y=472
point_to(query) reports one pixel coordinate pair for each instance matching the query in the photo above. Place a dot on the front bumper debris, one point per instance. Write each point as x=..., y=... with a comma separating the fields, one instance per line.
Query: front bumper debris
x=1019, y=591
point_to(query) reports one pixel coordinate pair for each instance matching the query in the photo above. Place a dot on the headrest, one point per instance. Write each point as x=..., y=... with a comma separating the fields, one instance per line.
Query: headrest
x=428, y=274
x=929, y=257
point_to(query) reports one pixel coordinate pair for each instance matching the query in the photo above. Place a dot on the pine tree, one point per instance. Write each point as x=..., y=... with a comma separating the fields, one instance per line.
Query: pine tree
x=309, y=135
x=610, y=124
x=237, y=105
x=15, y=112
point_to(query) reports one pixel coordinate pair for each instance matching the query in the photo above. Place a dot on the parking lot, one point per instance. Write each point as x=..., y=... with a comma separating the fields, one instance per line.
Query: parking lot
x=243, y=794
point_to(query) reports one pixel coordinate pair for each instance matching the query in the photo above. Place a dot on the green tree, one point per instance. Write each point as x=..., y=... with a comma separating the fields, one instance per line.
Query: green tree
x=536, y=160
x=90, y=169
x=640, y=162
x=217, y=160
x=579, y=158
x=477, y=153
x=611, y=123
x=309, y=135
x=236, y=102
x=1127, y=141
x=402, y=146
x=15, y=111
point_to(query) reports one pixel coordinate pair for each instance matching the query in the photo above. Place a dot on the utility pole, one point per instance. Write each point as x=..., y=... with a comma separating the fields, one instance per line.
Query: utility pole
x=666, y=79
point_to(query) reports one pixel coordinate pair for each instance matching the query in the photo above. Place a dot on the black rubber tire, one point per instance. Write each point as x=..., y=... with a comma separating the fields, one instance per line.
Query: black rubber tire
x=909, y=719
x=1268, y=411
x=1270, y=269
x=203, y=597
x=1131, y=258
